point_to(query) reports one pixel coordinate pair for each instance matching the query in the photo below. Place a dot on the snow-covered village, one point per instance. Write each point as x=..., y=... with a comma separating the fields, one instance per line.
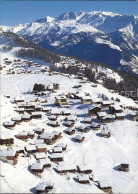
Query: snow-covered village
x=65, y=127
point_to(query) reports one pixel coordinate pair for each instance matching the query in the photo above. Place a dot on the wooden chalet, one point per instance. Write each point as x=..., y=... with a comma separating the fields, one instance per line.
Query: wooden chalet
x=6, y=138
x=46, y=163
x=31, y=134
x=88, y=120
x=70, y=131
x=62, y=145
x=39, y=130
x=18, y=100
x=93, y=110
x=20, y=110
x=26, y=117
x=40, y=155
x=37, y=168
x=105, y=133
x=48, y=138
x=44, y=187
x=31, y=149
x=119, y=116
x=101, y=115
x=86, y=100
x=66, y=168
x=54, y=124
x=23, y=135
x=52, y=117
x=79, y=138
x=55, y=157
x=97, y=101
x=95, y=126
x=83, y=179
x=83, y=128
x=84, y=169
x=115, y=109
x=107, y=119
x=37, y=115
x=105, y=104
x=69, y=123
x=17, y=120
x=105, y=186
x=9, y=124
x=10, y=156
x=41, y=148
x=61, y=101
x=57, y=149
x=124, y=167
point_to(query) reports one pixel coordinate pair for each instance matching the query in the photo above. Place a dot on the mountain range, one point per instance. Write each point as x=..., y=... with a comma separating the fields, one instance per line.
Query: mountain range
x=104, y=37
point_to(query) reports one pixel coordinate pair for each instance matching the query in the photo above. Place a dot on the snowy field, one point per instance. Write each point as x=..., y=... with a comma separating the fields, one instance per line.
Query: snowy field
x=101, y=154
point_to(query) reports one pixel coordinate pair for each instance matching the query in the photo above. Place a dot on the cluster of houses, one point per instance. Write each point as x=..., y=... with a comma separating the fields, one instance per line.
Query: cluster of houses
x=104, y=111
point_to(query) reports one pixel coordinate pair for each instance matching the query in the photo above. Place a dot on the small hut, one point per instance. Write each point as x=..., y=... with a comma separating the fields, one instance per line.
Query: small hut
x=9, y=124
x=55, y=157
x=84, y=169
x=83, y=128
x=79, y=138
x=37, y=168
x=124, y=167
x=83, y=179
x=105, y=133
x=70, y=131
x=105, y=186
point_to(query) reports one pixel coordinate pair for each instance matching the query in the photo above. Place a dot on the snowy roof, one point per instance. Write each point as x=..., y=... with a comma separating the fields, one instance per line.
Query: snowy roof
x=86, y=97
x=9, y=152
x=36, y=166
x=104, y=132
x=104, y=183
x=30, y=147
x=119, y=114
x=8, y=123
x=69, y=129
x=78, y=137
x=94, y=124
x=84, y=167
x=95, y=100
x=23, y=133
x=66, y=166
x=6, y=135
x=40, y=155
x=26, y=116
x=83, y=177
x=68, y=122
x=116, y=107
x=39, y=141
x=62, y=145
x=71, y=118
x=16, y=118
x=57, y=155
x=44, y=185
x=52, y=117
x=44, y=161
x=57, y=149
x=87, y=119
x=37, y=113
x=55, y=111
x=81, y=127
x=38, y=129
x=52, y=122
x=46, y=136
x=31, y=132
x=40, y=145
x=106, y=102
x=101, y=114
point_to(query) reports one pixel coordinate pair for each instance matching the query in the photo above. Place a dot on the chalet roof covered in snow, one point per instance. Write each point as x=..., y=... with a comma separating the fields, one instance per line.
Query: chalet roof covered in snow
x=36, y=166
x=57, y=155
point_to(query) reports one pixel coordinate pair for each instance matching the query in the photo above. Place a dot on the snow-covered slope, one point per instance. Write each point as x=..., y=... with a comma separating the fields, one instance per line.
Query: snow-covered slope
x=103, y=155
x=76, y=34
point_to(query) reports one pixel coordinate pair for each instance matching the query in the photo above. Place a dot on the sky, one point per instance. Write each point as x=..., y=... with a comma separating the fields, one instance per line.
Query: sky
x=24, y=11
